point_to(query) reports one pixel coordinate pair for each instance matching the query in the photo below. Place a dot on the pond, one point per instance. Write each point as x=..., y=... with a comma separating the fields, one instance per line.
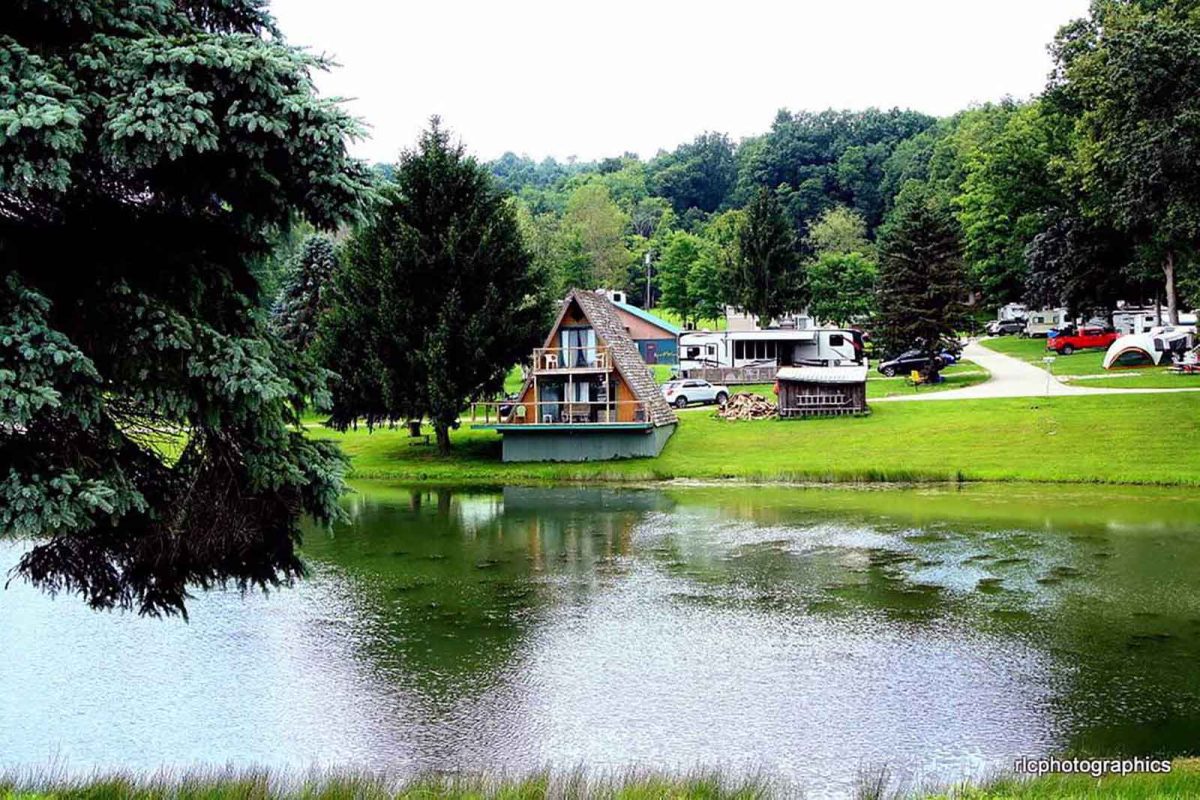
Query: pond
x=805, y=633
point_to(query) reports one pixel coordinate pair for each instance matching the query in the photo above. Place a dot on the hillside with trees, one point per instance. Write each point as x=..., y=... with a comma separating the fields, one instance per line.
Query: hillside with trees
x=1079, y=197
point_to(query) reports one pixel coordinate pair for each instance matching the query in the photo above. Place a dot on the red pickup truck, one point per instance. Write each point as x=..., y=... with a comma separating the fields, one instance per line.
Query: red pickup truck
x=1070, y=339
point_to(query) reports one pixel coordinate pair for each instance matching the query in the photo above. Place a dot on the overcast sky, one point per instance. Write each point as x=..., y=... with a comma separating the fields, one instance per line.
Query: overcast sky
x=593, y=79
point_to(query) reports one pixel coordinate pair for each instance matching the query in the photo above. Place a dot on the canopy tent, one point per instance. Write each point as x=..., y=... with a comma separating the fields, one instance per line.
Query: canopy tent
x=1157, y=347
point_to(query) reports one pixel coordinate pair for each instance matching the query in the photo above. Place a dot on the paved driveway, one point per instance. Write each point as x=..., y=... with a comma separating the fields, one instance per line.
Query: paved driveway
x=1012, y=377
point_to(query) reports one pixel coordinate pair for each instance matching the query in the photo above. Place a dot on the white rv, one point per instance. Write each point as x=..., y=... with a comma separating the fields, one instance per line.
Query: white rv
x=1041, y=321
x=1011, y=311
x=1129, y=320
x=754, y=356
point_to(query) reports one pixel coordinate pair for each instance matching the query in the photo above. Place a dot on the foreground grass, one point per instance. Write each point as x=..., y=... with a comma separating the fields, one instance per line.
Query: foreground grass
x=1148, y=439
x=262, y=785
x=1182, y=782
x=1082, y=368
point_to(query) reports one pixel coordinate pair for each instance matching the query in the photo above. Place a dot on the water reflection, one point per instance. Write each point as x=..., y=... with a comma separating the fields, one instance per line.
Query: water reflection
x=805, y=632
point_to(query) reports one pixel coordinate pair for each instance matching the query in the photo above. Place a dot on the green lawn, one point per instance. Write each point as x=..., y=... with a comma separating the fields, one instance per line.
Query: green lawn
x=1084, y=362
x=1110, y=438
x=1074, y=367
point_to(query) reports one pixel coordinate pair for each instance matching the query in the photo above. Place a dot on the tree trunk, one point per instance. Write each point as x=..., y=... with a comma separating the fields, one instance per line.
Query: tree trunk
x=1172, y=300
x=443, y=436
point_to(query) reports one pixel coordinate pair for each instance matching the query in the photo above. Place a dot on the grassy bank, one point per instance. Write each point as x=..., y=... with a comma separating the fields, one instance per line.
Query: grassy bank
x=1110, y=438
x=1183, y=781
x=1087, y=367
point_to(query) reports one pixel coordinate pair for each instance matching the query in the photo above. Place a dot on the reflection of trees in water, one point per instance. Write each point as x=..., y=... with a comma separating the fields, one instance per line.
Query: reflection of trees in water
x=457, y=582
x=460, y=582
x=1112, y=602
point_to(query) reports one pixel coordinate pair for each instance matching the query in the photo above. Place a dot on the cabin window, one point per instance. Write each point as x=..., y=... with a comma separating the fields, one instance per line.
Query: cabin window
x=693, y=352
x=739, y=350
x=836, y=340
x=581, y=391
x=711, y=349
x=578, y=347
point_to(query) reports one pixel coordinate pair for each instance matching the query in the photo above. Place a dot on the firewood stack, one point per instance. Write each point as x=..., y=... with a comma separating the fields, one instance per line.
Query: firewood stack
x=745, y=405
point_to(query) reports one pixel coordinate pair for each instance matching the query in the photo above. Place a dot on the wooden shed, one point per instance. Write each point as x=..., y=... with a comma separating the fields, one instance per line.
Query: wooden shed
x=822, y=391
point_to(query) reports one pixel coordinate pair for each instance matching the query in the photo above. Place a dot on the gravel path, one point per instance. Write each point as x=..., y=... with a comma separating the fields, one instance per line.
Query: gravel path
x=1012, y=377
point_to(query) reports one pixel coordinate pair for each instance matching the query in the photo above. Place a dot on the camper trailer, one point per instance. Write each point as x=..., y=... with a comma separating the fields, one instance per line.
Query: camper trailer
x=1041, y=321
x=1130, y=320
x=732, y=357
x=1011, y=311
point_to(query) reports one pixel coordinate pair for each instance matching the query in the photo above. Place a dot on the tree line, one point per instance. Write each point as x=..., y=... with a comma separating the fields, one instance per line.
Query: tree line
x=1080, y=197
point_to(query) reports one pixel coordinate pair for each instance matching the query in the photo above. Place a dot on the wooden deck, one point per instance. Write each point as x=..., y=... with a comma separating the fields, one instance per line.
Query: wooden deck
x=572, y=360
x=594, y=414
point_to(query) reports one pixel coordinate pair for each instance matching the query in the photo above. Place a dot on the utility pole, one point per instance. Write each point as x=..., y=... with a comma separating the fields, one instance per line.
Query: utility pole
x=649, y=296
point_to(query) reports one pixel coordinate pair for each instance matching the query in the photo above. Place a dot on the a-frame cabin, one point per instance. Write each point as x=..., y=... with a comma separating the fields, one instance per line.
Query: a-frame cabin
x=589, y=395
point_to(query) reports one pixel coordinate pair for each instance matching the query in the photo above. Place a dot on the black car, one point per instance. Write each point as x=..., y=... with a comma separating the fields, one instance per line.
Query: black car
x=907, y=362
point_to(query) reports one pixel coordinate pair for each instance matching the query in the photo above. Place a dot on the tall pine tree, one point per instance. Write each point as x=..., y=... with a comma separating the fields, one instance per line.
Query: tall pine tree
x=151, y=151
x=766, y=279
x=438, y=297
x=922, y=279
x=305, y=292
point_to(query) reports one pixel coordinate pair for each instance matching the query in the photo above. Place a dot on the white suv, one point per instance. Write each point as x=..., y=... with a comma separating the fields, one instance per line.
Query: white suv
x=681, y=393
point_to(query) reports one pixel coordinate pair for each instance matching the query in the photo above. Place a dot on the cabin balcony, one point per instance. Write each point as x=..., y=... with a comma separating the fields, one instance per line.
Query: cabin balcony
x=561, y=414
x=572, y=360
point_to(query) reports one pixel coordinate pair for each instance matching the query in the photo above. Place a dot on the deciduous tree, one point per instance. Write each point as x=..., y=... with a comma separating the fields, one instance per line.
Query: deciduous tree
x=1132, y=73
x=700, y=174
x=842, y=286
x=593, y=231
x=840, y=230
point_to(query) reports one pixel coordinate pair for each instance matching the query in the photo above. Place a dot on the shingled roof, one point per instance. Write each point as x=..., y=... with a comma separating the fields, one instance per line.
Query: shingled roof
x=600, y=311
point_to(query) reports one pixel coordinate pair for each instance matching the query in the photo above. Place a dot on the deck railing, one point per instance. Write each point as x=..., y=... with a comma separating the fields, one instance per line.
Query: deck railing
x=572, y=359
x=558, y=413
